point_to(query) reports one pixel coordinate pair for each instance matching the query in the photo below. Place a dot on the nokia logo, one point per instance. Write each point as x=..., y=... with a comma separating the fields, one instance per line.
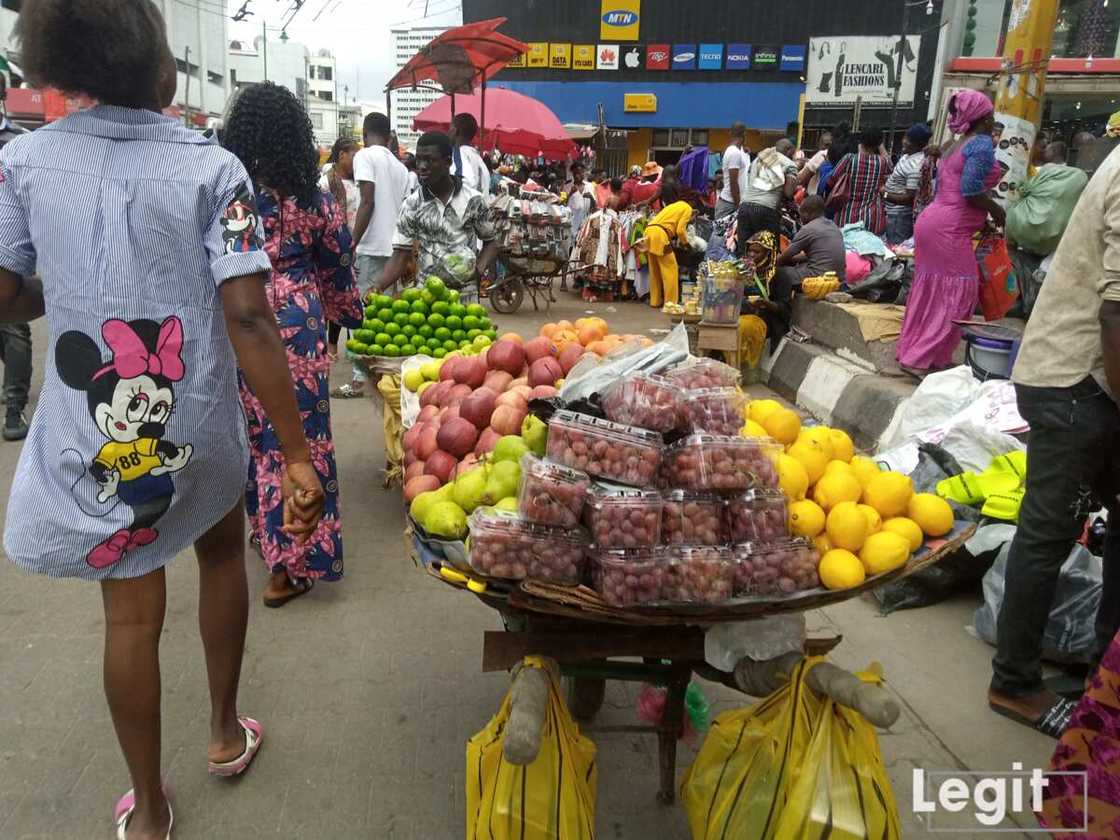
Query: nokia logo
x=620, y=18
x=738, y=56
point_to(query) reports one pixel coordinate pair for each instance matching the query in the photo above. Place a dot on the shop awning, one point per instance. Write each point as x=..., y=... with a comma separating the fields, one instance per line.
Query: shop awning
x=579, y=131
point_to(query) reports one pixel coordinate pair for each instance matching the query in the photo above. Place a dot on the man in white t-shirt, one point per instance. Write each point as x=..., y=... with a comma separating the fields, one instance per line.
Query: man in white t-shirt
x=736, y=162
x=467, y=162
x=383, y=183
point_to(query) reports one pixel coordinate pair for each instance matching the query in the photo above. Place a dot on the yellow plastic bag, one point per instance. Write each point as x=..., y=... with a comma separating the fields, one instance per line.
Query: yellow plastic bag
x=795, y=766
x=554, y=797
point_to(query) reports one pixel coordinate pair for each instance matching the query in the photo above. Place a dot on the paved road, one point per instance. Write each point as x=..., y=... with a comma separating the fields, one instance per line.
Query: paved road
x=370, y=688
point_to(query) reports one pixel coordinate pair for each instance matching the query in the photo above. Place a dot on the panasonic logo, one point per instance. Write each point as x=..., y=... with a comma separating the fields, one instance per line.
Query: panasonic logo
x=620, y=18
x=682, y=57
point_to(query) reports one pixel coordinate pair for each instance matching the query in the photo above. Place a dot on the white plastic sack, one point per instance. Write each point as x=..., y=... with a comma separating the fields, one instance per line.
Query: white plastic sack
x=759, y=639
x=410, y=402
x=591, y=376
x=939, y=398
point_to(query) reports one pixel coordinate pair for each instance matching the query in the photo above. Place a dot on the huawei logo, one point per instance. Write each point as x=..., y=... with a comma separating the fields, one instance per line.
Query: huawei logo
x=608, y=56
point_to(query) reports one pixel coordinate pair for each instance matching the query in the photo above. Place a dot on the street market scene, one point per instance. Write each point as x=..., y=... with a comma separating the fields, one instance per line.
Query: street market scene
x=599, y=419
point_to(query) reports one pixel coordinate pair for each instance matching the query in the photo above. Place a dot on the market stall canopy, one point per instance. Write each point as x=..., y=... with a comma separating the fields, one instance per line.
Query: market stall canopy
x=515, y=123
x=580, y=131
x=461, y=58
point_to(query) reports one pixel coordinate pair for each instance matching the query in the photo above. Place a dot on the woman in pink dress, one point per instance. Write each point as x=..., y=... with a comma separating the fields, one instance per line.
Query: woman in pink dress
x=946, y=277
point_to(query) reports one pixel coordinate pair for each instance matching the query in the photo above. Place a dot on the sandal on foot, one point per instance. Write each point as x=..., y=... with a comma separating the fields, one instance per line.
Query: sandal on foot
x=302, y=587
x=348, y=392
x=123, y=813
x=254, y=735
x=1053, y=722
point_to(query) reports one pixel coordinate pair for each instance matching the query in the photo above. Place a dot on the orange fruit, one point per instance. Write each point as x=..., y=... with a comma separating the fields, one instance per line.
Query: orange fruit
x=589, y=333
x=548, y=329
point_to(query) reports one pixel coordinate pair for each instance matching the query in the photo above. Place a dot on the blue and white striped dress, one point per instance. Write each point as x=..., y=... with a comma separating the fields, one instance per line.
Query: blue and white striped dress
x=138, y=445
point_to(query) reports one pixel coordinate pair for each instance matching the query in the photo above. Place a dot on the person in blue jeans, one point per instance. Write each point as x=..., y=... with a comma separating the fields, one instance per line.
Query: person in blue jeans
x=15, y=352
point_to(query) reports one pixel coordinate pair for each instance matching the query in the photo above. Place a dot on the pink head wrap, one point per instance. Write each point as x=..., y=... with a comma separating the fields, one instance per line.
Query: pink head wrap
x=967, y=107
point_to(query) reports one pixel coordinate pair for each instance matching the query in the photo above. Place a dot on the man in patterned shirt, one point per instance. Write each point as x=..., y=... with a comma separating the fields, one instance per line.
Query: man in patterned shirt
x=445, y=218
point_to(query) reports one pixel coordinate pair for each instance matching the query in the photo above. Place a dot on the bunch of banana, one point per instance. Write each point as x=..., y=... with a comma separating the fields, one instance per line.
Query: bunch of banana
x=815, y=288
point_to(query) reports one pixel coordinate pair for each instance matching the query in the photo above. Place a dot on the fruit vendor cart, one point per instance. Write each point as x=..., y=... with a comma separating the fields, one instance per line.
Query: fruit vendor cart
x=593, y=641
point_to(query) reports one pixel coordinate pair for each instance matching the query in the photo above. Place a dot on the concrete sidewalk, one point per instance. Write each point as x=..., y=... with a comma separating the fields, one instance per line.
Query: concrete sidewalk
x=370, y=688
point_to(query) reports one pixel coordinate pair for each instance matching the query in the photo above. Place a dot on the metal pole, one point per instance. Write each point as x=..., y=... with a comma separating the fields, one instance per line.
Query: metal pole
x=264, y=50
x=187, y=92
x=482, y=118
x=898, y=74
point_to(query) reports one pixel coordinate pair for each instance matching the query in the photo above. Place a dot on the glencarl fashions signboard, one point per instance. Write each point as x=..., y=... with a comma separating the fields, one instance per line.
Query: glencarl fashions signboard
x=844, y=68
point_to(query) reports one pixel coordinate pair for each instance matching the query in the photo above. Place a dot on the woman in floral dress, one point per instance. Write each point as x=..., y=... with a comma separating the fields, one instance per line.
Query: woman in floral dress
x=312, y=282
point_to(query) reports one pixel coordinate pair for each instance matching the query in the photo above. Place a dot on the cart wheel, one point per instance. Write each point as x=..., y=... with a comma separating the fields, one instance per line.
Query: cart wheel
x=507, y=298
x=585, y=698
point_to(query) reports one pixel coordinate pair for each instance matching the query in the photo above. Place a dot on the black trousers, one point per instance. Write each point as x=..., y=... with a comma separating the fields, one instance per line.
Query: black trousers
x=15, y=353
x=752, y=219
x=1073, y=462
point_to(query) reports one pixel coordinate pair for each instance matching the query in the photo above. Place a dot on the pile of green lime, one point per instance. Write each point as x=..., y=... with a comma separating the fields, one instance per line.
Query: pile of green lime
x=426, y=319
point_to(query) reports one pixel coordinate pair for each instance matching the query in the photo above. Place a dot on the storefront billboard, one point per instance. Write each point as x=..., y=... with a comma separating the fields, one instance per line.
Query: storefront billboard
x=608, y=56
x=793, y=58
x=538, y=54
x=738, y=57
x=583, y=56
x=560, y=56
x=684, y=56
x=658, y=56
x=842, y=68
x=619, y=19
x=711, y=57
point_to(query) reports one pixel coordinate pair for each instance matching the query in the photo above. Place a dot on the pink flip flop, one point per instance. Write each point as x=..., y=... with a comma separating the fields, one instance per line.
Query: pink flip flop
x=254, y=734
x=123, y=813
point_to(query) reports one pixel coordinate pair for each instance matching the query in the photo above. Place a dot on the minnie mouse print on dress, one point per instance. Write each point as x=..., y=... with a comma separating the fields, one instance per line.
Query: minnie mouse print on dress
x=131, y=397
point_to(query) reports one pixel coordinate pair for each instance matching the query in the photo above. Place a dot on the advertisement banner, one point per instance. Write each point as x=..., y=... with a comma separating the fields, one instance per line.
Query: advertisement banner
x=607, y=57
x=518, y=61
x=711, y=57
x=619, y=19
x=538, y=54
x=583, y=56
x=738, y=57
x=658, y=56
x=793, y=58
x=633, y=57
x=560, y=56
x=766, y=57
x=1014, y=139
x=684, y=56
x=844, y=67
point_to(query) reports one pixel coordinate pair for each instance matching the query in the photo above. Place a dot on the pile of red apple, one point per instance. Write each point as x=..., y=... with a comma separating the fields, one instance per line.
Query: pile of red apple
x=506, y=546
x=477, y=400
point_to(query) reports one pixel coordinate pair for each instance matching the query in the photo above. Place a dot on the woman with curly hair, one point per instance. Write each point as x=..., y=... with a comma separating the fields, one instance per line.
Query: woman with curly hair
x=311, y=283
x=138, y=449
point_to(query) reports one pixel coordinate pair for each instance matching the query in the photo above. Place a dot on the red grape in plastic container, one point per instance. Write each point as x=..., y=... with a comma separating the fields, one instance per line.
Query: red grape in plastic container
x=717, y=411
x=644, y=400
x=699, y=373
x=504, y=545
x=623, y=517
x=692, y=519
x=625, y=454
x=551, y=494
x=777, y=568
x=627, y=577
x=722, y=462
x=699, y=575
x=756, y=516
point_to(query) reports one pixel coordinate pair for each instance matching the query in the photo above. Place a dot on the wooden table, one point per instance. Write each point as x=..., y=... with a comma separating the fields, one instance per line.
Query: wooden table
x=721, y=337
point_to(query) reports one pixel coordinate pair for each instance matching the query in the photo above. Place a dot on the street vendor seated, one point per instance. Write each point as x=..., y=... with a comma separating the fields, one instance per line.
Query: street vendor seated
x=445, y=219
x=767, y=299
x=817, y=249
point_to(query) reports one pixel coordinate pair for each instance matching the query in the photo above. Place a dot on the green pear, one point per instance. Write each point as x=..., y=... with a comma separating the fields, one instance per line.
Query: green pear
x=535, y=433
x=509, y=448
x=509, y=503
x=447, y=520
x=505, y=476
x=470, y=488
x=422, y=503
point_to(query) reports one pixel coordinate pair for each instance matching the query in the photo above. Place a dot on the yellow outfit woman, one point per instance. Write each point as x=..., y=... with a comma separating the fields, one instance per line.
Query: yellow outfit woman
x=668, y=225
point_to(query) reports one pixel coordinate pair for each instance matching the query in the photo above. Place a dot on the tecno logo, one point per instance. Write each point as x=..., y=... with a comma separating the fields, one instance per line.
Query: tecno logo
x=658, y=55
x=713, y=56
x=620, y=18
x=683, y=57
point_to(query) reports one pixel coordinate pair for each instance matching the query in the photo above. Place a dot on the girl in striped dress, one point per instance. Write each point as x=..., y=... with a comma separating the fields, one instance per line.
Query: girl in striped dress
x=148, y=244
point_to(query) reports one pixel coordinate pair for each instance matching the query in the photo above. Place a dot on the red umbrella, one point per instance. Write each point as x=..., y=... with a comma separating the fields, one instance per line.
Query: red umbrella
x=515, y=123
x=460, y=58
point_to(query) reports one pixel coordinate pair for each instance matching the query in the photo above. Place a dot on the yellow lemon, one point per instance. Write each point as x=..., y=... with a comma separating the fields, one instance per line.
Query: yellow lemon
x=783, y=425
x=811, y=458
x=874, y=520
x=840, y=569
x=846, y=526
x=864, y=468
x=806, y=519
x=839, y=466
x=836, y=487
x=759, y=410
x=753, y=429
x=412, y=379
x=931, y=513
x=818, y=436
x=842, y=447
x=792, y=477
x=907, y=528
x=889, y=493
x=822, y=544
x=884, y=552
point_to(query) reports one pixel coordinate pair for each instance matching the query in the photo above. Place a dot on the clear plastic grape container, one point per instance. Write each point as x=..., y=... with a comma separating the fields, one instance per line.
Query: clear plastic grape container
x=699, y=373
x=699, y=575
x=646, y=401
x=627, y=577
x=692, y=518
x=613, y=451
x=623, y=517
x=551, y=494
x=722, y=462
x=774, y=569
x=504, y=545
x=756, y=516
x=716, y=411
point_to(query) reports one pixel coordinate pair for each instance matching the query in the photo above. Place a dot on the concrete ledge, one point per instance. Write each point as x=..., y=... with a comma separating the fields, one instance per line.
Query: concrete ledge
x=832, y=327
x=836, y=391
